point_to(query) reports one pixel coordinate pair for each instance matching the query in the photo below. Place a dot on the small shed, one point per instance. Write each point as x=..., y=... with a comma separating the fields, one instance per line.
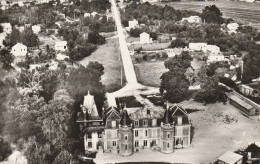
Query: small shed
x=230, y=158
x=145, y=38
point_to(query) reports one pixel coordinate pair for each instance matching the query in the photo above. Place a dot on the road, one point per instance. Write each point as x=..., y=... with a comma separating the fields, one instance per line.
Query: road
x=126, y=59
x=132, y=87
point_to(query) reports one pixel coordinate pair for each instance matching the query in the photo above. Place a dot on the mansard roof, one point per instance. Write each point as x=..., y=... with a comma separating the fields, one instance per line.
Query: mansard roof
x=125, y=120
x=146, y=113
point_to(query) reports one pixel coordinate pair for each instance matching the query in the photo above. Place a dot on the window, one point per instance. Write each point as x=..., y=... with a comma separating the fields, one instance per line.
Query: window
x=136, y=143
x=145, y=142
x=168, y=145
x=168, y=135
x=114, y=143
x=257, y=111
x=89, y=135
x=89, y=144
x=146, y=133
x=148, y=111
x=99, y=134
x=154, y=122
x=145, y=122
x=64, y=47
x=136, y=123
x=136, y=133
x=126, y=137
x=113, y=124
x=125, y=147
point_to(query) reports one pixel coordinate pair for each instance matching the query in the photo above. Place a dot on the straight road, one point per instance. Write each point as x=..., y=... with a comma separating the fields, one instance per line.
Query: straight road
x=126, y=59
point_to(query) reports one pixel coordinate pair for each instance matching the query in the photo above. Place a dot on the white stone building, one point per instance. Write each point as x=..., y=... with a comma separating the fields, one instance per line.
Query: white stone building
x=230, y=158
x=215, y=58
x=232, y=27
x=145, y=38
x=192, y=19
x=132, y=24
x=19, y=51
x=36, y=28
x=7, y=27
x=61, y=46
x=197, y=46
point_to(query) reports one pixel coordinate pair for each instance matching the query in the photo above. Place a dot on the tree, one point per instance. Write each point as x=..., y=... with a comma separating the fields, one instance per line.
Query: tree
x=63, y=157
x=95, y=38
x=178, y=43
x=29, y=39
x=211, y=14
x=6, y=58
x=15, y=37
x=210, y=91
x=5, y=149
x=174, y=81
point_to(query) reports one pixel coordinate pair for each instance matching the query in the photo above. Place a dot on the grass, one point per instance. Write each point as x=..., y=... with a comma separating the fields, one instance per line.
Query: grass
x=149, y=73
x=152, y=46
x=109, y=56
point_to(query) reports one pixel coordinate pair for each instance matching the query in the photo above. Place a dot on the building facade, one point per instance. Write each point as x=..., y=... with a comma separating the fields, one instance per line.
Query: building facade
x=118, y=130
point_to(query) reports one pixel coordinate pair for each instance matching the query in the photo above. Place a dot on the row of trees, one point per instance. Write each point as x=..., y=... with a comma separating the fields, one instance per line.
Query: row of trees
x=27, y=37
x=41, y=119
x=145, y=12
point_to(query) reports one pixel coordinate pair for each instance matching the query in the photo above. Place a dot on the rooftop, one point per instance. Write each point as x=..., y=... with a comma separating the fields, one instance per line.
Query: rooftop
x=230, y=157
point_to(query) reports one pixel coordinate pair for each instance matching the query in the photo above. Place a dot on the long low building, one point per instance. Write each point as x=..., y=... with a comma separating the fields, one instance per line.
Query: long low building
x=245, y=106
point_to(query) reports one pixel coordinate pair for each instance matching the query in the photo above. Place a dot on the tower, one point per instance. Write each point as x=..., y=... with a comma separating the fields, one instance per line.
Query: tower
x=167, y=132
x=125, y=135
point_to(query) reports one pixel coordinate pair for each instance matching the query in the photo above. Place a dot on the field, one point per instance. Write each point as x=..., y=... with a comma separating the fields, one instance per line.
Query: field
x=218, y=128
x=109, y=56
x=149, y=73
x=240, y=11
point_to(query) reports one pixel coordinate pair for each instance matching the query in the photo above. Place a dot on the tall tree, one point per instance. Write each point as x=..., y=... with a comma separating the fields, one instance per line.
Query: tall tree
x=212, y=14
x=6, y=58
x=174, y=81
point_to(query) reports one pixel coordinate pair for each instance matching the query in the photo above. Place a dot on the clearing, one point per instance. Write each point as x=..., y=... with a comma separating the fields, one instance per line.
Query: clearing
x=218, y=128
x=149, y=73
x=109, y=56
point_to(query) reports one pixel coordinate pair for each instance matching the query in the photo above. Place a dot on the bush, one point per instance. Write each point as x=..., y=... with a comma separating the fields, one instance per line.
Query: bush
x=135, y=32
x=5, y=149
x=95, y=38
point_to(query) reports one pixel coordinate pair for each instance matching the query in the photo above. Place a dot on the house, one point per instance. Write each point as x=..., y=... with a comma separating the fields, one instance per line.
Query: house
x=145, y=38
x=93, y=14
x=123, y=131
x=20, y=3
x=132, y=24
x=19, y=51
x=61, y=46
x=7, y=27
x=171, y=52
x=197, y=46
x=230, y=158
x=215, y=58
x=192, y=19
x=36, y=29
x=86, y=14
x=212, y=49
x=232, y=27
x=60, y=56
x=252, y=89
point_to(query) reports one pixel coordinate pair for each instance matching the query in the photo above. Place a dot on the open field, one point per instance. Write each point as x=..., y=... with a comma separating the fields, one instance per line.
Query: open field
x=218, y=128
x=149, y=73
x=240, y=11
x=109, y=56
